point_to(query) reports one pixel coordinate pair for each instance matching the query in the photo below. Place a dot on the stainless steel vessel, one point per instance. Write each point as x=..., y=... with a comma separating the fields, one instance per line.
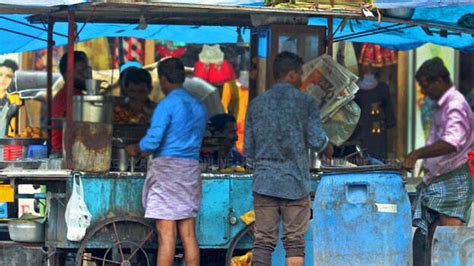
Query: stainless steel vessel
x=26, y=231
x=93, y=108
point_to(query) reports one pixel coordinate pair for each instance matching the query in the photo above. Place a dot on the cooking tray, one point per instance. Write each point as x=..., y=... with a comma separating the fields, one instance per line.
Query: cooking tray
x=21, y=164
x=22, y=141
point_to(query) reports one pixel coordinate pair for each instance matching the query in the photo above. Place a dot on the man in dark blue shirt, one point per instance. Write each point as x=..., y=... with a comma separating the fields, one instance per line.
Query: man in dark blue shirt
x=281, y=125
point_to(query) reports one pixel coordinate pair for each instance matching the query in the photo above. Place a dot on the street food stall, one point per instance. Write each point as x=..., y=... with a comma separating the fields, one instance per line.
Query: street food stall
x=112, y=183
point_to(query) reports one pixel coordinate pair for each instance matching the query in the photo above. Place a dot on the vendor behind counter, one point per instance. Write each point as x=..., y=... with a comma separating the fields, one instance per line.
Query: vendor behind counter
x=135, y=85
x=82, y=71
x=219, y=149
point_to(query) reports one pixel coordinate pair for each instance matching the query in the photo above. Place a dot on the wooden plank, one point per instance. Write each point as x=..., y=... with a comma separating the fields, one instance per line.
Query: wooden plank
x=402, y=103
x=197, y=14
x=149, y=52
x=177, y=13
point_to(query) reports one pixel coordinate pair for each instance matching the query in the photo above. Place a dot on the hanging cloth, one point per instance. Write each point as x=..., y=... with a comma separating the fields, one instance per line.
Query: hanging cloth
x=377, y=56
x=169, y=49
x=212, y=66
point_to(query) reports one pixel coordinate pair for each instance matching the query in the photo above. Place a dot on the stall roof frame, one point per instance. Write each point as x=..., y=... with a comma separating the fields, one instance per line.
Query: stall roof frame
x=112, y=11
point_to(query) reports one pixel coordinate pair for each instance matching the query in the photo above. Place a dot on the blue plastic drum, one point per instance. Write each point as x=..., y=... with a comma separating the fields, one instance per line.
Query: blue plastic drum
x=362, y=218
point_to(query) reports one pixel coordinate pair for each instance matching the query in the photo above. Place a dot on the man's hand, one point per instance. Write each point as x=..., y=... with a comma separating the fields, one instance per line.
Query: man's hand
x=439, y=148
x=145, y=154
x=133, y=150
x=410, y=160
x=328, y=151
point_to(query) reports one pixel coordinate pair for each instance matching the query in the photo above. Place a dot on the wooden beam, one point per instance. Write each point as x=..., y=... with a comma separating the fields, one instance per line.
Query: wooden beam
x=70, y=89
x=402, y=103
x=49, y=77
x=149, y=52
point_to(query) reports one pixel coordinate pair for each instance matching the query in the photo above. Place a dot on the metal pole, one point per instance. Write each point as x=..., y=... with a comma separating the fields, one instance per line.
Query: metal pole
x=355, y=34
x=364, y=34
x=49, y=77
x=330, y=35
x=70, y=88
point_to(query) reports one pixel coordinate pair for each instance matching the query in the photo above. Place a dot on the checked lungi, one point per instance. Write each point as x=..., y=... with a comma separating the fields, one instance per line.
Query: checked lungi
x=449, y=194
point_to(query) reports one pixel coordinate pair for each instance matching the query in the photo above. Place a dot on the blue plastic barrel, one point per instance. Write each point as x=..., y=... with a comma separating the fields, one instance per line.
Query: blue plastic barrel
x=453, y=245
x=362, y=218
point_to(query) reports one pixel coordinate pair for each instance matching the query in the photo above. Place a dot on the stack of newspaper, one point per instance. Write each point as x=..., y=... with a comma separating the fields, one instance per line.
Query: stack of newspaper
x=331, y=84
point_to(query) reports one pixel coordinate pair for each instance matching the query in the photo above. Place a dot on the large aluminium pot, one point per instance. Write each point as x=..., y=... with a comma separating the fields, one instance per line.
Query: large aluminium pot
x=26, y=231
x=93, y=108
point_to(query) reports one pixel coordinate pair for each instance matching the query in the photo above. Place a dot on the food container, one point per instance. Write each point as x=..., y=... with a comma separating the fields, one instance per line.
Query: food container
x=314, y=161
x=12, y=152
x=17, y=148
x=93, y=108
x=7, y=194
x=92, y=146
x=26, y=231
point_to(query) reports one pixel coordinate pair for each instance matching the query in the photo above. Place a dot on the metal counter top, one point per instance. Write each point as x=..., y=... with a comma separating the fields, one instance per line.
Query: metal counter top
x=64, y=174
x=35, y=173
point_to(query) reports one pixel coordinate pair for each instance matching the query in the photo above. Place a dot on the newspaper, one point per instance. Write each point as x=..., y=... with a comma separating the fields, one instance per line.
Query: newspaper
x=343, y=98
x=332, y=85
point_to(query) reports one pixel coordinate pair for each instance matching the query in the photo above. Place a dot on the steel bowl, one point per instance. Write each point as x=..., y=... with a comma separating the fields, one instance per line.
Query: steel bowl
x=403, y=13
x=26, y=231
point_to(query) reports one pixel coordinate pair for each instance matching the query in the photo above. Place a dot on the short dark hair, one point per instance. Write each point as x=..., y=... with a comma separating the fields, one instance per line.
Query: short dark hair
x=433, y=69
x=10, y=64
x=79, y=56
x=284, y=63
x=135, y=75
x=217, y=122
x=173, y=69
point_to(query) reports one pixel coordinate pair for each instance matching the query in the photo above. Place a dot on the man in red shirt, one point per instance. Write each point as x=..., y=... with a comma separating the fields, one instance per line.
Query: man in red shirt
x=81, y=73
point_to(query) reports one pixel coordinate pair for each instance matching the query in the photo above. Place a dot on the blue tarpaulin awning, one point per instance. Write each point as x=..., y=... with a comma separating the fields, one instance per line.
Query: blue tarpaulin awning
x=12, y=42
x=413, y=37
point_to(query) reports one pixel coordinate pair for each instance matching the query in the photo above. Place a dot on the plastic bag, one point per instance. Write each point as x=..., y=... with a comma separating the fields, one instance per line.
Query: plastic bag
x=244, y=260
x=342, y=124
x=248, y=217
x=77, y=215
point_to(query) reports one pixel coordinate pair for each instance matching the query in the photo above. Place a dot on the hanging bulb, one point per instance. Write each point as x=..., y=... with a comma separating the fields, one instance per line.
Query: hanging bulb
x=142, y=24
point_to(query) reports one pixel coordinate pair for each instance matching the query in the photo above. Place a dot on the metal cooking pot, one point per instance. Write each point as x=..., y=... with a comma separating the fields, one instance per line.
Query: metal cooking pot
x=26, y=231
x=93, y=108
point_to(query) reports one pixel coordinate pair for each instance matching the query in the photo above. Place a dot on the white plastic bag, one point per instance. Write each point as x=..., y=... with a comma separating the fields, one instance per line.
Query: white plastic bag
x=77, y=215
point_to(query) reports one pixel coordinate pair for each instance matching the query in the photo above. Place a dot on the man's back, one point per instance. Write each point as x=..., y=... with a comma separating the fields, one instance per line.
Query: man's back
x=187, y=124
x=282, y=124
x=177, y=127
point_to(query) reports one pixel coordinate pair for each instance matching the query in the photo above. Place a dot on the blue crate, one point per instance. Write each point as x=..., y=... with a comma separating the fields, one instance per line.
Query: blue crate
x=3, y=210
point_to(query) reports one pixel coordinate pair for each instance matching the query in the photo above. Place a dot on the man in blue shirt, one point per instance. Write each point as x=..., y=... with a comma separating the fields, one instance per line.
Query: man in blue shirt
x=172, y=189
x=281, y=125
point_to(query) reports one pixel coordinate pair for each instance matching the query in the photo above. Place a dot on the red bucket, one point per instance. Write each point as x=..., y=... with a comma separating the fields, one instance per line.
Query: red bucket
x=12, y=152
x=470, y=156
